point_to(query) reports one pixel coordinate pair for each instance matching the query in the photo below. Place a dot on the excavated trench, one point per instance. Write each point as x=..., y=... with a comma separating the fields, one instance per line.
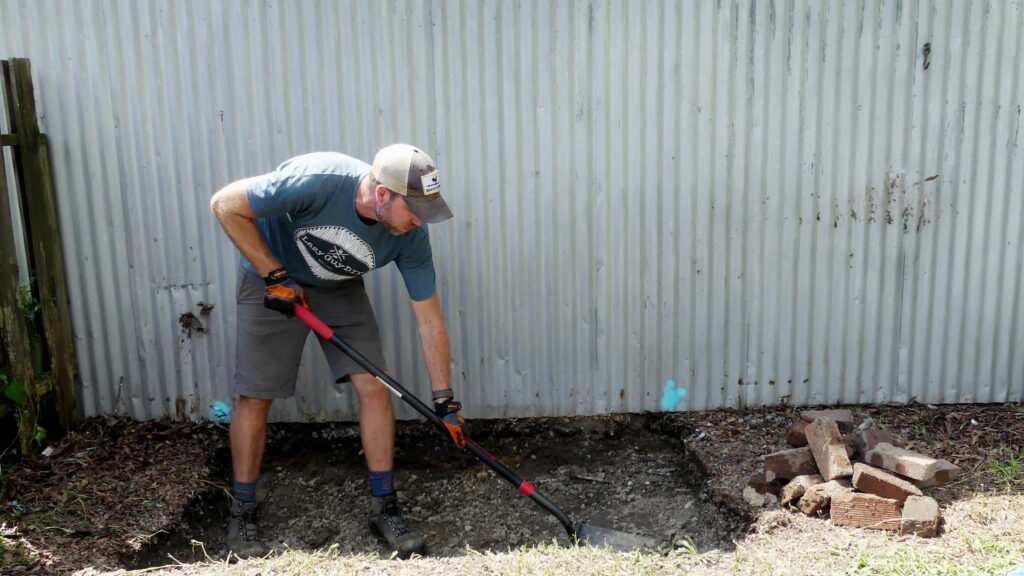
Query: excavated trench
x=627, y=472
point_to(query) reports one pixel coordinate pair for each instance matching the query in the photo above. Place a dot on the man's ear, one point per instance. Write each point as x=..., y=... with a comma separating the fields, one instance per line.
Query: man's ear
x=381, y=193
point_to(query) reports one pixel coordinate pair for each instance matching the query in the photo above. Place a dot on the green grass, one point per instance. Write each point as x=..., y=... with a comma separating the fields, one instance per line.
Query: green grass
x=1012, y=471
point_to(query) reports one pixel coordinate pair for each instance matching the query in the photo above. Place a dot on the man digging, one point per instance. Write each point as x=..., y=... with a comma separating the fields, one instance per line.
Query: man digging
x=307, y=233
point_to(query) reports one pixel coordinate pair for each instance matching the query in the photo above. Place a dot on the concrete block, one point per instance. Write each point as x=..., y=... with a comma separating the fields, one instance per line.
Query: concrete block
x=881, y=483
x=828, y=449
x=796, y=488
x=817, y=498
x=789, y=464
x=901, y=461
x=920, y=516
x=865, y=511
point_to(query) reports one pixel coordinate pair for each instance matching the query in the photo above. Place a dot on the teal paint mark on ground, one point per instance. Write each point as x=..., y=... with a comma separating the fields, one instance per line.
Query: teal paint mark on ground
x=672, y=397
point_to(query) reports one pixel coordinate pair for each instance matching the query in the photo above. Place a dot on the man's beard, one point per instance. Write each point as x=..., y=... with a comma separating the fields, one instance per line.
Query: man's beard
x=384, y=217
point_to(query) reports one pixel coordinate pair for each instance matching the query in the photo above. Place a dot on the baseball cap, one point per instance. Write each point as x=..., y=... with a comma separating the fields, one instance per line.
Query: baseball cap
x=412, y=173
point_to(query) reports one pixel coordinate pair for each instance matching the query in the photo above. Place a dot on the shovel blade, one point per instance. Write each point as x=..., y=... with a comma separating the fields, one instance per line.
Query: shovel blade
x=619, y=541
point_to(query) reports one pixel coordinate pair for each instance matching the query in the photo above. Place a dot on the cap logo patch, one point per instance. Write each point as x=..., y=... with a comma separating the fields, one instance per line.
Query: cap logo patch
x=431, y=183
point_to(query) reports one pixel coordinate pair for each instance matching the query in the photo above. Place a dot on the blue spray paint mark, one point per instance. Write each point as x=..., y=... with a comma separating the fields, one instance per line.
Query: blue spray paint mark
x=671, y=397
x=220, y=412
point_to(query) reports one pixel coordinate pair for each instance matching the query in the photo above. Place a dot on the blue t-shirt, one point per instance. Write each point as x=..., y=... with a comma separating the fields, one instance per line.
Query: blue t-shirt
x=306, y=213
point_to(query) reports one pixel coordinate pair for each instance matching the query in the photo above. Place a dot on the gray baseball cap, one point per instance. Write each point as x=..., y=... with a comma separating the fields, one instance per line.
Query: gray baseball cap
x=412, y=173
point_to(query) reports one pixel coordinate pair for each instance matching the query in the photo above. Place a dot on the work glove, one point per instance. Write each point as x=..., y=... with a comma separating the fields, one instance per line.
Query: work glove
x=448, y=412
x=283, y=293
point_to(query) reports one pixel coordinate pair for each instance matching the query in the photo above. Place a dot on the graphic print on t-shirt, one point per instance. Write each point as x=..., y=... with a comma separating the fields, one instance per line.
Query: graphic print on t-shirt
x=334, y=252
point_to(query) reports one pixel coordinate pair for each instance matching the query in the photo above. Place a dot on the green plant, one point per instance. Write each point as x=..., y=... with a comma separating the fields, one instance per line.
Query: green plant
x=1012, y=470
x=32, y=308
x=15, y=399
x=14, y=394
x=11, y=390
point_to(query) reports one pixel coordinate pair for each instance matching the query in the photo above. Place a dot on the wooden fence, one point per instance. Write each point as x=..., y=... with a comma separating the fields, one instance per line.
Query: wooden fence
x=40, y=326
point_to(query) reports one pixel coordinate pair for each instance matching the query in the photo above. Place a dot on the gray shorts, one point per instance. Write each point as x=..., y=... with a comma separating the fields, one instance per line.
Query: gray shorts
x=269, y=345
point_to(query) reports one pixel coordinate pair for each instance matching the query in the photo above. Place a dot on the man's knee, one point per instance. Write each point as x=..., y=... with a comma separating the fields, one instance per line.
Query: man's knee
x=254, y=407
x=369, y=389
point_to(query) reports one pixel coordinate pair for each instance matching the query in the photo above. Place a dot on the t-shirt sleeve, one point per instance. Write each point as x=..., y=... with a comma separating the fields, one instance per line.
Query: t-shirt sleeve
x=416, y=264
x=287, y=191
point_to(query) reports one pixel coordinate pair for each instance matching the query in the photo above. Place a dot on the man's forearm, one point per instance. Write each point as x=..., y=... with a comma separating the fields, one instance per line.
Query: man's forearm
x=434, y=338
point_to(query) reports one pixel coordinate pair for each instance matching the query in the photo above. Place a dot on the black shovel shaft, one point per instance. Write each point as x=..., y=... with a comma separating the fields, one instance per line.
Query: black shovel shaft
x=324, y=331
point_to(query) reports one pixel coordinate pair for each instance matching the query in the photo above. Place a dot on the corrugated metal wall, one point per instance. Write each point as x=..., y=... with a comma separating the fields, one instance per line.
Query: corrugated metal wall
x=659, y=205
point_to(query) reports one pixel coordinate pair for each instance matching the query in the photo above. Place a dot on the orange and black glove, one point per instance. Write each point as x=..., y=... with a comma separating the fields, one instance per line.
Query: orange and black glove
x=448, y=412
x=283, y=293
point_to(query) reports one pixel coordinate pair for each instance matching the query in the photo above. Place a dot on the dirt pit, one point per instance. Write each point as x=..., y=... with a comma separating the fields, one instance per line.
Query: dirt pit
x=627, y=473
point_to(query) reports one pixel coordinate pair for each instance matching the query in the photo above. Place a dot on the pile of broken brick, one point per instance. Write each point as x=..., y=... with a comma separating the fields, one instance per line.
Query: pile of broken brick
x=861, y=479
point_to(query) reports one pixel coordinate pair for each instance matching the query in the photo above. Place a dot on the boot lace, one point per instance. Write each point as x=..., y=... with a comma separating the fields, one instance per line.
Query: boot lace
x=392, y=516
x=248, y=524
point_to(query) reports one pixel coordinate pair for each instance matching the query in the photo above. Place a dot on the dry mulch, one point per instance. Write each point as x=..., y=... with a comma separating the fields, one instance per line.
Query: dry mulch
x=104, y=491
x=114, y=484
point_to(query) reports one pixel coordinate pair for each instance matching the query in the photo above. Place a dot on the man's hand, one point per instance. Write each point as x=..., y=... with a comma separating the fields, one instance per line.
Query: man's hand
x=448, y=412
x=283, y=293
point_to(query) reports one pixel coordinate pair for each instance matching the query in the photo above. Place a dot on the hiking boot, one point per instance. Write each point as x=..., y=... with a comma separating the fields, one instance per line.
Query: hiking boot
x=385, y=522
x=243, y=530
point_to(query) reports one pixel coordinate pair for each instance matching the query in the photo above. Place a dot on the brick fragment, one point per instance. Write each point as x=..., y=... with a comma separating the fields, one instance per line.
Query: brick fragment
x=901, y=461
x=842, y=418
x=881, y=483
x=762, y=486
x=789, y=464
x=945, y=472
x=865, y=511
x=796, y=435
x=796, y=488
x=868, y=439
x=818, y=497
x=920, y=516
x=828, y=449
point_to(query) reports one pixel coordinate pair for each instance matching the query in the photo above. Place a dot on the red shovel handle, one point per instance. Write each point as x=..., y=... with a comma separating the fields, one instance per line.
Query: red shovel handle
x=322, y=330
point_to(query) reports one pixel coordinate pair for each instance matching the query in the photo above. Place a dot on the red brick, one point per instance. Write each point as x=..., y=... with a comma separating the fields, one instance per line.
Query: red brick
x=920, y=516
x=881, y=483
x=868, y=439
x=828, y=449
x=910, y=464
x=789, y=464
x=842, y=418
x=865, y=511
x=945, y=472
x=796, y=488
x=796, y=433
x=817, y=498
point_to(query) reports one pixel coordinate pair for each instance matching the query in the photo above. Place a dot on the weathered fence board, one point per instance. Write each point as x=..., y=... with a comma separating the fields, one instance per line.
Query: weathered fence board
x=36, y=196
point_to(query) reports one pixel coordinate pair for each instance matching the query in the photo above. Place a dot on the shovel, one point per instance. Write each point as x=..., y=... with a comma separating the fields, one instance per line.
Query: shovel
x=591, y=535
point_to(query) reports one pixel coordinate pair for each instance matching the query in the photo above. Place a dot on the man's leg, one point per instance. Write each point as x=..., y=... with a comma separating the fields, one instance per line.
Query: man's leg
x=377, y=431
x=248, y=439
x=376, y=422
